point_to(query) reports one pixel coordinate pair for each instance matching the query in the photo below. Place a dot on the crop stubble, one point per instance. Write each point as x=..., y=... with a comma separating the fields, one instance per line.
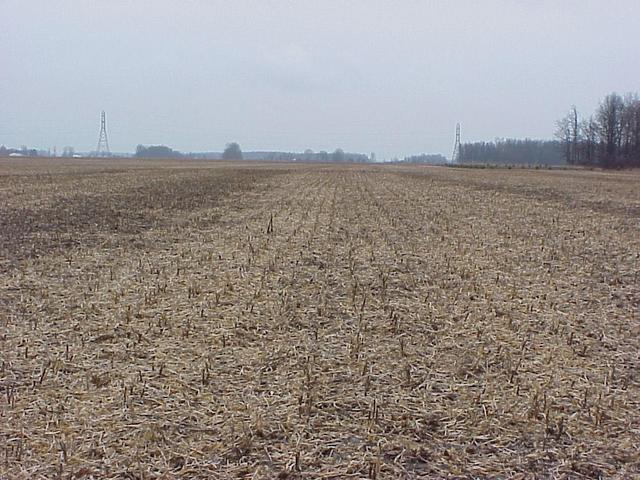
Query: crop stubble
x=206, y=320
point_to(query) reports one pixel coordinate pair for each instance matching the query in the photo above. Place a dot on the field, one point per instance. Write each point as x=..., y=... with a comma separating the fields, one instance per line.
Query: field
x=212, y=320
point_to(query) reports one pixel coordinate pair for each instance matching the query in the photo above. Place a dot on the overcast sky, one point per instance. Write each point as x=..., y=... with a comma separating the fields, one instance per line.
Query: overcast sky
x=391, y=77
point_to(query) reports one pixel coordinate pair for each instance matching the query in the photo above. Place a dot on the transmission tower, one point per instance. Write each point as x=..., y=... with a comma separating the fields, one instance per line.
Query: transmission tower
x=103, y=142
x=455, y=156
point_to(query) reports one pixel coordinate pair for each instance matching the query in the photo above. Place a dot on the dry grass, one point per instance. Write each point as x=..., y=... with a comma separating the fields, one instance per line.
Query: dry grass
x=203, y=320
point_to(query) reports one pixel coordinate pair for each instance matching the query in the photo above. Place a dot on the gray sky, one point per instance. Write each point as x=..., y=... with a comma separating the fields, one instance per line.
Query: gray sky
x=392, y=77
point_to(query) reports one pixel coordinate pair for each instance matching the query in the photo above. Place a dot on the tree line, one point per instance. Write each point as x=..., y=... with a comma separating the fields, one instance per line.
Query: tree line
x=338, y=155
x=609, y=138
x=512, y=152
x=426, y=158
x=233, y=151
x=156, y=151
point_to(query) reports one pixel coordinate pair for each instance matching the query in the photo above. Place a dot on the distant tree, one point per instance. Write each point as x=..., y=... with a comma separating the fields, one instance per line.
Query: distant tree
x=232, y=152
x=338, y=155
x=307, y=155
x=68, y=152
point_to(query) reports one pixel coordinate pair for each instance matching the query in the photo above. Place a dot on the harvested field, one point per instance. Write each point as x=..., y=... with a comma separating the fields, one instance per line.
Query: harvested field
x=210, y=320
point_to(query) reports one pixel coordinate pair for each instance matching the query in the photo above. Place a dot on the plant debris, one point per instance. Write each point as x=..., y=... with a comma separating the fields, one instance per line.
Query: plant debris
x=214, y=320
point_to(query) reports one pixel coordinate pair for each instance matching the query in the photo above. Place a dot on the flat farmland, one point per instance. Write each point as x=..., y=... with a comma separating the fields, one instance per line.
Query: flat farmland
x=218, y=320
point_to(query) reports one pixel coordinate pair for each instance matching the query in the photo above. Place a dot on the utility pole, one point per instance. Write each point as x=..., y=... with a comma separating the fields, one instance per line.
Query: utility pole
x=455, y=156
x=103, y=142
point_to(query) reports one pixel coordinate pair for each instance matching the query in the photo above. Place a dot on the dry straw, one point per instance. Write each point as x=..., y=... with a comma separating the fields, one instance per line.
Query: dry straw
x=199, y=320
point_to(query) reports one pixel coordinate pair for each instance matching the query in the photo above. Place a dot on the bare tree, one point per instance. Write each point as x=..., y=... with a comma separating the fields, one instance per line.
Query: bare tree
x=630, y=129
x=635, y=132
x=610, y=138
x=609, y=118
x=563, y=134
x=589, y=129
x=575, y=135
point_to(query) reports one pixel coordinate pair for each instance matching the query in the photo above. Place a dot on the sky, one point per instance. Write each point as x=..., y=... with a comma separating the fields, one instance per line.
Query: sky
x=390, y=77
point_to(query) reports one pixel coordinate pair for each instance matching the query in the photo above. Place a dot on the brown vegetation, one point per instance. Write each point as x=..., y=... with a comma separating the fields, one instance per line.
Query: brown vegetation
x=208, y=320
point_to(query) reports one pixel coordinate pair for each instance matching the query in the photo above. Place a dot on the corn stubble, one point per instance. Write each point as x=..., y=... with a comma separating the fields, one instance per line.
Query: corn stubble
x=196, y=320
